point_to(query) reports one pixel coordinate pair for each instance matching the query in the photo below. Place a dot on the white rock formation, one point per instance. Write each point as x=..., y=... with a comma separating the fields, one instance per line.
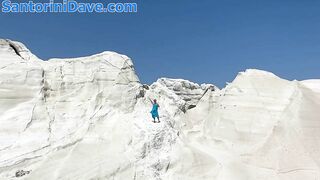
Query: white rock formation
x=89, y=118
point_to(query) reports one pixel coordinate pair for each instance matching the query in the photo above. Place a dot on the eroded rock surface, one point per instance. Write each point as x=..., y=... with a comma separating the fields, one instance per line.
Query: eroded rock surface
x=89, y=118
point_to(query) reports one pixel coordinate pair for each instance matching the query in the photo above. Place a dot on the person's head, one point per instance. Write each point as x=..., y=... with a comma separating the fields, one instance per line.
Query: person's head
x=155, y=101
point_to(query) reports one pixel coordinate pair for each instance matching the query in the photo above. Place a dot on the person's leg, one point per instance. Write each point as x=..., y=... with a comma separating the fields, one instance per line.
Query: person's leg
x=158, y=118
x=154, y=118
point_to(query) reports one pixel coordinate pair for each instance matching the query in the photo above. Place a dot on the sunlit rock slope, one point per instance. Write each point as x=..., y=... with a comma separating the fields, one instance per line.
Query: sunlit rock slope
x=89, y=118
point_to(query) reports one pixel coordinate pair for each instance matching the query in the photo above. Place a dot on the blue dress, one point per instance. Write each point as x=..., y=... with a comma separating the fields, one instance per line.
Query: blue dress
x=154, y=111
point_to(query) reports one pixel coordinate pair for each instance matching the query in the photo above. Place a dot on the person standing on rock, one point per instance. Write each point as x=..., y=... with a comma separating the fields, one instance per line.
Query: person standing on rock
x=154, y=111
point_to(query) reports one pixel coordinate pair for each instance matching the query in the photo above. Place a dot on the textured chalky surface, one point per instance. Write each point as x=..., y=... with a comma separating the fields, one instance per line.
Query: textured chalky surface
x=89, y=118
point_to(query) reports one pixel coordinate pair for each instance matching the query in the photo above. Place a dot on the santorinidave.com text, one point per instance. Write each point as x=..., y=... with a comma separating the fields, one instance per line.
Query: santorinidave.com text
x=67, y=6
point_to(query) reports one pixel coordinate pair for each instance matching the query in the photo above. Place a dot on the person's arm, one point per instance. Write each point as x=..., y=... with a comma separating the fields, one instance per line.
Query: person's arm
x=151, y=101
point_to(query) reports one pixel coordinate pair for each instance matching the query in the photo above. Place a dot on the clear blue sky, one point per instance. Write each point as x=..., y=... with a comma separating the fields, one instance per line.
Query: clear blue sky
x=203, y=41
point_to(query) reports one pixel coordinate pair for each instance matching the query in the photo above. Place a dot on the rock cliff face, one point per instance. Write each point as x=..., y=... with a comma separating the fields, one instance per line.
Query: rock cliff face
x=89, y=118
